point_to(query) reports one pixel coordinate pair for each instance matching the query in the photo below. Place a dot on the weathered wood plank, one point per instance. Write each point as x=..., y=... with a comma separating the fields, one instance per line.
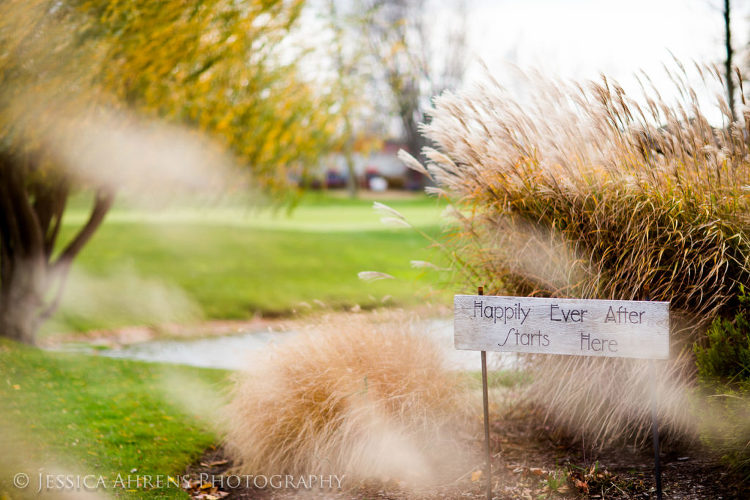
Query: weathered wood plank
x=580, y=327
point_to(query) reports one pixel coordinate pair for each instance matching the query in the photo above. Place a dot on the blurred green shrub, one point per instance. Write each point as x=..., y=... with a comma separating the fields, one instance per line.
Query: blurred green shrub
x=725, y=352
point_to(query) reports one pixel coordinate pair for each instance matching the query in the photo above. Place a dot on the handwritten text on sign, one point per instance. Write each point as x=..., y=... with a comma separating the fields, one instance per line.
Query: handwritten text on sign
x=614, y=328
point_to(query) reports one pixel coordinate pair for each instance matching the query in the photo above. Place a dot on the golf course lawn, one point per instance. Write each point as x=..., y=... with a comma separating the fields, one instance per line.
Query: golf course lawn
x=231, y=261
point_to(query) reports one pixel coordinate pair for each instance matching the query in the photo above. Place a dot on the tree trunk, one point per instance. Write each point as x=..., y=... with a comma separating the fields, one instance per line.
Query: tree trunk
x=728, y=60
x=20, y=305
x=351, y=181
x=31, y=209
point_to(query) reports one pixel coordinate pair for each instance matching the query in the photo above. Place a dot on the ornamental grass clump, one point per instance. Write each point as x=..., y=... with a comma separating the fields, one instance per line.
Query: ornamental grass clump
x=580, y=190
x=355, y=399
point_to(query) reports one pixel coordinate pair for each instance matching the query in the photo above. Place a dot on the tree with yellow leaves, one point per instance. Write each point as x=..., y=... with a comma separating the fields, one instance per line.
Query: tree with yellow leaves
x=222, y=67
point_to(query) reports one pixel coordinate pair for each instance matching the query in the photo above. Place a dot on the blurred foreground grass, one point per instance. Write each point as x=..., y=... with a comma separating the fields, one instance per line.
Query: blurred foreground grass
x=82, y=414
x=232, y=261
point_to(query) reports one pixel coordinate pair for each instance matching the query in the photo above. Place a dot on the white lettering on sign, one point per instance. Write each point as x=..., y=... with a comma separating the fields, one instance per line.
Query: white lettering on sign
x=613, y=328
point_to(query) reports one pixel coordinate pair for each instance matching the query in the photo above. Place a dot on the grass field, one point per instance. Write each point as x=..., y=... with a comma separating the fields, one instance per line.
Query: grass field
x=81, y=414
x=78, y=414
x=233, y=261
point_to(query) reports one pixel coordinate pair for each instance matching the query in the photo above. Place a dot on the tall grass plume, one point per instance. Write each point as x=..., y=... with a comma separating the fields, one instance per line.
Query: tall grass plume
x=356, y=399
x=586, y=191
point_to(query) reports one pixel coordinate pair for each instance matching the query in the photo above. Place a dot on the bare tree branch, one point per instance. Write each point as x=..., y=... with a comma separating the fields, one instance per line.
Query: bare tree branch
x=102, y=204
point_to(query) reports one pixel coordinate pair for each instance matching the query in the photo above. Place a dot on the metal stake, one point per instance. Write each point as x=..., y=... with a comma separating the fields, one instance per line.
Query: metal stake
x=655, y=432
x=485, y=401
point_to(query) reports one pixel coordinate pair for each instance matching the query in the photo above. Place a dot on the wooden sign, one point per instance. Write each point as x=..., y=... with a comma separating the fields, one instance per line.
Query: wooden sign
x=611, y=328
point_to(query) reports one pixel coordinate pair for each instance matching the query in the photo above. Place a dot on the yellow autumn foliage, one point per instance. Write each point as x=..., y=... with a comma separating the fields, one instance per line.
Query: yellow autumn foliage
x=224, y=67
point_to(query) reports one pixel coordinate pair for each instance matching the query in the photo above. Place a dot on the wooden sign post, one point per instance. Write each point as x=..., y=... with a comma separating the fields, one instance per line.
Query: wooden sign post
x=576, y=327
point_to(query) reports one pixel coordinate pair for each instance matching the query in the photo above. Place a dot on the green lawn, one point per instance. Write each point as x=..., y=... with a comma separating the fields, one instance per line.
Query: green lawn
x=84, y=414
x=232, y=261
x=81, y=414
